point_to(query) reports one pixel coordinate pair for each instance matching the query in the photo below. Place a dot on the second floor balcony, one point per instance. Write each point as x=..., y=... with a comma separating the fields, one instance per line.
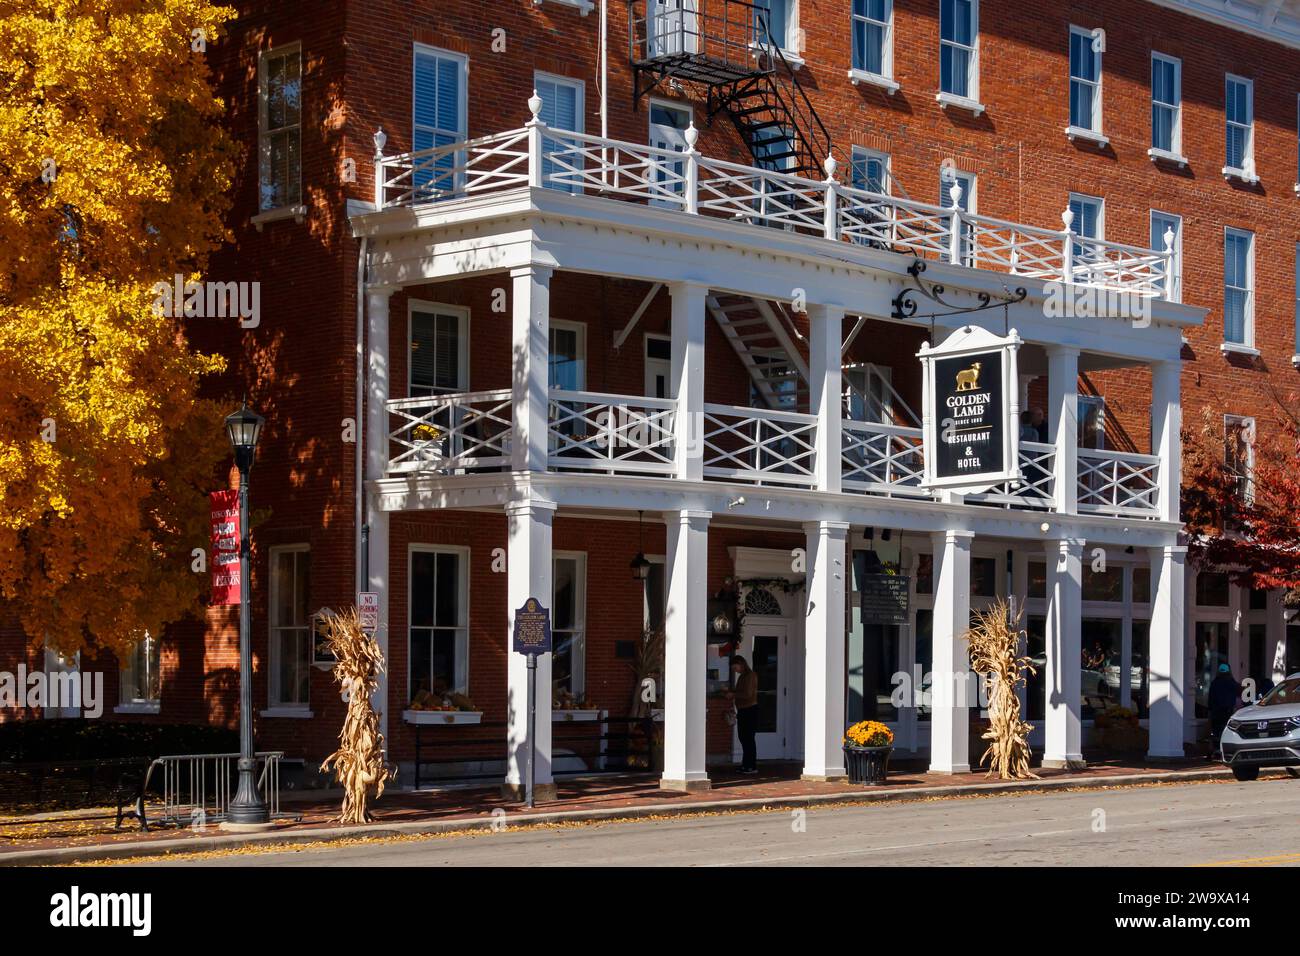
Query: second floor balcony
x=689, y=183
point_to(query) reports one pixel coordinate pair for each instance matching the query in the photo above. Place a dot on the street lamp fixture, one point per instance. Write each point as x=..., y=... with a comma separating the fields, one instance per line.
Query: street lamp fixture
x=247, y=809
x=640, y=564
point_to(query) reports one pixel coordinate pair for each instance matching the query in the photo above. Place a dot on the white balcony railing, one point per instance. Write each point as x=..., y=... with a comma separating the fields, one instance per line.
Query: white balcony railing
x=759, y=446
x=635, y=436
x=613, y=434
x=881, y=459
x=1119, y=483
x=451, y=434
x=693, y=184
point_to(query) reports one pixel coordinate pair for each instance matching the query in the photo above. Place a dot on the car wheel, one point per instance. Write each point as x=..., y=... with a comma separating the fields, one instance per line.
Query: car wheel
x=1293, y=771
x=1246, y=773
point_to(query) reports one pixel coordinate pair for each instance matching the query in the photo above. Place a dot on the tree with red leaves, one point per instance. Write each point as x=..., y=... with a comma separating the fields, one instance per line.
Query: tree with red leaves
x=1246, y=521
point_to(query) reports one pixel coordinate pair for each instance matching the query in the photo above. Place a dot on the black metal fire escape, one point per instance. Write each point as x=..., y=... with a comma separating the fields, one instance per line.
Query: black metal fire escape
x=726, y=46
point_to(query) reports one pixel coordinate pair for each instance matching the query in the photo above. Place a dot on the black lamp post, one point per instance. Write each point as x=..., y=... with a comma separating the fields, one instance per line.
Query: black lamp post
x=640, y=564
x=244, y=427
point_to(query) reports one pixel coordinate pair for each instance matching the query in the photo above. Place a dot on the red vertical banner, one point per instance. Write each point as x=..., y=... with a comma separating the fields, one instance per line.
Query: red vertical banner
x=225, y=547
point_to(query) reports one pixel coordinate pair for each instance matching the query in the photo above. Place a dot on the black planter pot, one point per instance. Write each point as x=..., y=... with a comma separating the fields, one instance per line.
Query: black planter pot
x=867, y=765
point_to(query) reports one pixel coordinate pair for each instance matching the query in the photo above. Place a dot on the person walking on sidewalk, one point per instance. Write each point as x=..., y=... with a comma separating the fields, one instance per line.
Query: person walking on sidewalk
x=746, y=699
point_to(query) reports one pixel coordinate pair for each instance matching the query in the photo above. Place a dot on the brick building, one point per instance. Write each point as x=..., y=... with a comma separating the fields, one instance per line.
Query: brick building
x=638, y=316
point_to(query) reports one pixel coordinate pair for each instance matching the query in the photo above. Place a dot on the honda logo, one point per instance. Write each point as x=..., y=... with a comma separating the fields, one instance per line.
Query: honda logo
x=1262, y=725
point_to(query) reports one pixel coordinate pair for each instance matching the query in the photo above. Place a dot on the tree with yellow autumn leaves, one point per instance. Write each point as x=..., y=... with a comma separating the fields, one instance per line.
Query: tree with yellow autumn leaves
x=114, y=173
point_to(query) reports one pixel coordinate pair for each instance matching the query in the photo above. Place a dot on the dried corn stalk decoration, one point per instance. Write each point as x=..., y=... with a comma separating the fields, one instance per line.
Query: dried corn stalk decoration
x=994, y=645
x=359, y=762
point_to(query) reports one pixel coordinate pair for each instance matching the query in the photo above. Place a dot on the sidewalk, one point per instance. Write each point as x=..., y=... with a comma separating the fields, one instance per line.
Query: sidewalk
x=43, y=839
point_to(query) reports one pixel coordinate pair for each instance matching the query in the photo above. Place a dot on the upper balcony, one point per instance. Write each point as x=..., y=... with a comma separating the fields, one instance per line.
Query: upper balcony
x=689, y=183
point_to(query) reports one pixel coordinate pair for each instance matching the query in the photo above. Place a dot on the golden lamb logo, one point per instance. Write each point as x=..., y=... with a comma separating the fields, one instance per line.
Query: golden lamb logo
x=968, y=379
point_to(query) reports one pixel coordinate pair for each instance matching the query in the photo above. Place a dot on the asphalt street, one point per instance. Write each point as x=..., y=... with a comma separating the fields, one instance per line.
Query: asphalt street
x=1220, y=823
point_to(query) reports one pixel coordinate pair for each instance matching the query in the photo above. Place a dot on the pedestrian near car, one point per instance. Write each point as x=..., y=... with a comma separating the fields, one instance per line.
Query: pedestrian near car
x=1225, y=698
x=746, y=699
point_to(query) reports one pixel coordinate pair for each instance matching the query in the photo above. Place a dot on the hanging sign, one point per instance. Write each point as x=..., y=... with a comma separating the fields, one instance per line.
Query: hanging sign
x=883, y=598
x=225, y=547
x=971, y=419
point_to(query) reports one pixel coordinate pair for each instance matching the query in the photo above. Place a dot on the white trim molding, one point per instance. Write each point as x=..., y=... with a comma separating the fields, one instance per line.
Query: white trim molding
x=1276, y=20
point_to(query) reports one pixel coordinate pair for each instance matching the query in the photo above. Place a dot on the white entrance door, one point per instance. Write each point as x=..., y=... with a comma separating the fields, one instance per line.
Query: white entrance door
x=668, y=125
x=766, y=647
x=671, y=27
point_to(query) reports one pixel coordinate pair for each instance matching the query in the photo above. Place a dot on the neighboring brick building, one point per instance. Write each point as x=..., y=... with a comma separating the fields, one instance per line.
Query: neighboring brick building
x=1136, y=116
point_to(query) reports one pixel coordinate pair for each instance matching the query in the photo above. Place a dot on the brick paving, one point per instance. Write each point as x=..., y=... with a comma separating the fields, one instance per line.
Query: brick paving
x=632, y=792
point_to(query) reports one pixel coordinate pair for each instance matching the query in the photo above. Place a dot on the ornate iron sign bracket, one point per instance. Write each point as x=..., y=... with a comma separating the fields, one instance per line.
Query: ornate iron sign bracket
x=905, y=304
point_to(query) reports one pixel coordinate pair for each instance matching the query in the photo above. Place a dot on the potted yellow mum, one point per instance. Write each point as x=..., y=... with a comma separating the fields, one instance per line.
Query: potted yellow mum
x=867, y=746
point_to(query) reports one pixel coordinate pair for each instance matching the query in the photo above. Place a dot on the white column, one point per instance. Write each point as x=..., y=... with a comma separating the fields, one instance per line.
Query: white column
x=1166, y=433
x=825, y=386
x=685, y=657
x=687, y=377
x=1063, y=423
x=1063, y=685
x=530, y=379
x=1168, y=651
x=528, y=574
x=376, y=437
x=950, y=684
x=824, y=638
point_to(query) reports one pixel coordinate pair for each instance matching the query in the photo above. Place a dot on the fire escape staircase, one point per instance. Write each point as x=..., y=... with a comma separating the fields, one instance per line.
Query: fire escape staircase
x=727, y=48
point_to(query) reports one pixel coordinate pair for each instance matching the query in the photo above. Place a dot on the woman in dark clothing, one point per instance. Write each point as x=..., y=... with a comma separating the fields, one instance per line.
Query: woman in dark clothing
x=746, y=699
x=1225, y=698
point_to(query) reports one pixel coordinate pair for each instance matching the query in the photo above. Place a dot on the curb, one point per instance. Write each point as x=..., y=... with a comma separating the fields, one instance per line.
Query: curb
x=162, y=848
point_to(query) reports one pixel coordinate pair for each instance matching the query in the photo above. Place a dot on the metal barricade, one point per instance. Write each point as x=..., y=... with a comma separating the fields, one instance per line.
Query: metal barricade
x=197, y=788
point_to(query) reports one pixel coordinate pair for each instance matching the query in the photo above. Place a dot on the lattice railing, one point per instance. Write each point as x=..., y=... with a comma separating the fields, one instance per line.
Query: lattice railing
x=538, y=156
x=760, y=446
x=451, y=434
x=613, y=434
x=1037, y=484
x=1121, y=483
x=881, y=459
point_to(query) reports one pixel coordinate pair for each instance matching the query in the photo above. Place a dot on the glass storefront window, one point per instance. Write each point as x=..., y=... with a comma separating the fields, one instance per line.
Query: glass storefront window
x=984, y=577
x=1037, y=579
x=1139, y=677
x=1261, y=668
x=925, y=574
x=1101, y=664
x=924, y=657
x=1212, y=589
x=1036, y=649
x=1258, y=599
x=1105, y=585
x=1211, y=650
x=1141, y=585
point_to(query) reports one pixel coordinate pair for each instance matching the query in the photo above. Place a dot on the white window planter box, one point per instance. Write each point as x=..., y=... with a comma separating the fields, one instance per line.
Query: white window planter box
x=442, y=716
x=560, y=716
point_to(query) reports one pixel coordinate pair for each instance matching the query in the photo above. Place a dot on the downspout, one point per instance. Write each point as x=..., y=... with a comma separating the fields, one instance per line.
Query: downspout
x=362, y=546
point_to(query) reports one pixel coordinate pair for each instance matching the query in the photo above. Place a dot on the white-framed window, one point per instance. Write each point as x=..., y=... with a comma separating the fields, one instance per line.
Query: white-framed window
x=1091, y=421
x=959, y=48
x=668, y=125
x=439, y=348
x=568, y=355
x=1238, y=287
x=438, y=612
x=780, y=22
x=140, y=680
x=440, y=114
x=1239, y=453
x=562, y=109
x=658, y=365
x=1089, y=223
x=279, y=95
x=569, y=623
x=1161, y=223
x=1166, y=105
x=873, y=38
x=1085, y=80
x=870, y=170
x=1239, y=127
x=290, y=644
x=947, y=177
